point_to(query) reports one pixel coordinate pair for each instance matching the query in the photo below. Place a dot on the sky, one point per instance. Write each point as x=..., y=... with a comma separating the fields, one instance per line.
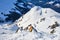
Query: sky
x=6, y=5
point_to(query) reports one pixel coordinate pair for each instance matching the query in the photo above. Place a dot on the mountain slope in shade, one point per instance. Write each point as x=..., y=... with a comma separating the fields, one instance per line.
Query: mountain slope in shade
x=45, y=23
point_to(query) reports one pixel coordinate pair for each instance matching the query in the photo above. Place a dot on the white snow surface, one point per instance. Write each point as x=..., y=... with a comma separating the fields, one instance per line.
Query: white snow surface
x=51, y=2
x=34, y=17
x=57, y=5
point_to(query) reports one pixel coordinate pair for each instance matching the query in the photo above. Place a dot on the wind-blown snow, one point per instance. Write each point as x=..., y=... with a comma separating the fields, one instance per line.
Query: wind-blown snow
x=40, y=18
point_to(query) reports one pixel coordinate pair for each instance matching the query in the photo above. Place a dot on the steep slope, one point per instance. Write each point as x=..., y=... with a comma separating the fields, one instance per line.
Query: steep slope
x=35, y=15
x=42, y=21
x=30, y=17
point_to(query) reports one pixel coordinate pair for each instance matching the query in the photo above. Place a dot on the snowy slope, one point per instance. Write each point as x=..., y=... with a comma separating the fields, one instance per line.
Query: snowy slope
x=40, y=18
x=30, y=17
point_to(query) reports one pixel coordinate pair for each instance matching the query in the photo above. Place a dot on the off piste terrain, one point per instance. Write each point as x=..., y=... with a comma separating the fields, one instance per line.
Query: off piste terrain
x=37, y=24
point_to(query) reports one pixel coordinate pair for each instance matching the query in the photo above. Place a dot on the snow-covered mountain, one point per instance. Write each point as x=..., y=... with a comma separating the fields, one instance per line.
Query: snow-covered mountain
x=23, y=6
x=45, y=24
x=37, y=14
x=54, y=4
x=30, y=17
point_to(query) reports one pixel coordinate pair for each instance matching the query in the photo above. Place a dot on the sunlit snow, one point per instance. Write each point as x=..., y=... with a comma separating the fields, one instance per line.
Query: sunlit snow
x=40, y=18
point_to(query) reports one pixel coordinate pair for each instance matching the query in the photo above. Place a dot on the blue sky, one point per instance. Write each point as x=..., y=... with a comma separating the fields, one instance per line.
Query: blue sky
x=6, y=5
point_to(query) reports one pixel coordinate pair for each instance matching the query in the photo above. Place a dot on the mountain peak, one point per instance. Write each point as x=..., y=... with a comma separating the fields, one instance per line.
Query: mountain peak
x=30, y=17
x=38, y=23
